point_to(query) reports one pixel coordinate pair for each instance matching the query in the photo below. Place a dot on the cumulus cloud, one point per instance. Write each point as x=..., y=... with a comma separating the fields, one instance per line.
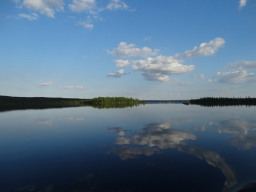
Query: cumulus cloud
x=125, y=50
x=46, y=7
x=49, y=83
x=241, y=72
x=122, y=63
x=243, y=64
x=117, y=4
x=117, y=74
x=74, y=87
x=242, y=3
x=234, y=77
x=49, y=8
x=160, y=67
x=30, y=17
x=82, y=5
x=206, y=49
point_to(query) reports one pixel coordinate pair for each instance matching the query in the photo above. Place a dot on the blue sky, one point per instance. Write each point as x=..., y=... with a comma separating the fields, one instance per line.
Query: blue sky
x=147, y=49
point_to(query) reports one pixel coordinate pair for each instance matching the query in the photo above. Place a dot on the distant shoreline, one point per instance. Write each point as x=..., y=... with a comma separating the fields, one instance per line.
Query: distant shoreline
x=14, y=103
x=222, y=101
x=19, y=103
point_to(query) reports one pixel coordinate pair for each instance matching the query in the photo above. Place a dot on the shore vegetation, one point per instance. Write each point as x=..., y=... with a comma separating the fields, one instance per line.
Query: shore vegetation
x=223, y=101
x=13, y=103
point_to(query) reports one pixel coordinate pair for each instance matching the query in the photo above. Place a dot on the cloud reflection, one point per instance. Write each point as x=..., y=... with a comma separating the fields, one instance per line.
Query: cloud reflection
x=117, y=130
x=241, y=132
x=45, y=122
x=125, y=152
x=74, y=118
x=215, y=160
x=237, y=126
x=155, y=137
x=243, y=141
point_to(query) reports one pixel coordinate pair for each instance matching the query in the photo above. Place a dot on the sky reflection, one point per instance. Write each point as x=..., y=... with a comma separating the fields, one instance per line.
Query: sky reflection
x=157, y=136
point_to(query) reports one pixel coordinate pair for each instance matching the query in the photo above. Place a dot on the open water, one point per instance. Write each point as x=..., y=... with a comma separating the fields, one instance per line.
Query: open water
x=152, y=147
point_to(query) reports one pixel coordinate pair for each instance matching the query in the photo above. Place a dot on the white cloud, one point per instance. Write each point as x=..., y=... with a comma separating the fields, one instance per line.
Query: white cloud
x=202, y=77
x=119, y=73
x=122, y=63
x=206, y=49
x=242, y=3
x=74, y=87
x=86, y=25
x=30, y=17
x=45, y=84
x=46, y=7
x=125, y=50
x=161, y=67
x=236, y=77
x=156, y=69
x=117, y=4
x=82, y=5
x=50, y=7
x=243, y=65
x=242, y=72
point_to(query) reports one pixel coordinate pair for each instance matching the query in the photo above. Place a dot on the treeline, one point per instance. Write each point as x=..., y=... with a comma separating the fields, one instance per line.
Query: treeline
x=12, y=103
x=223, y=101
x=115, y=102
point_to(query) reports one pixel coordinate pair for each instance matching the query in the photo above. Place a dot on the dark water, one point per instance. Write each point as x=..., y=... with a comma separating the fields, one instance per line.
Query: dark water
x=160, y=147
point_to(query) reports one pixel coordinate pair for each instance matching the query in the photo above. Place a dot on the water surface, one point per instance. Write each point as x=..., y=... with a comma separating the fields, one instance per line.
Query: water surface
x=160, y=147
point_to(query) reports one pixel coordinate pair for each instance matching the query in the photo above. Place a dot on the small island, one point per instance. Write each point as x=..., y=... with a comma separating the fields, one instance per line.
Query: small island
x=13, y=103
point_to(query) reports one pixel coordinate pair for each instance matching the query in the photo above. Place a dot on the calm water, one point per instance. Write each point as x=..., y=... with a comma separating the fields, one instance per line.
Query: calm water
x=157, y=147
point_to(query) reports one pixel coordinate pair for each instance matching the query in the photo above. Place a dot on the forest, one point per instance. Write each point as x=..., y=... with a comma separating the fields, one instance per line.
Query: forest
x=223, y=101
x=13, y=103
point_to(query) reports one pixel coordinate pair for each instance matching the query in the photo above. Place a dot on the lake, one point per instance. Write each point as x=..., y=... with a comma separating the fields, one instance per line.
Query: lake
x=152, y=147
